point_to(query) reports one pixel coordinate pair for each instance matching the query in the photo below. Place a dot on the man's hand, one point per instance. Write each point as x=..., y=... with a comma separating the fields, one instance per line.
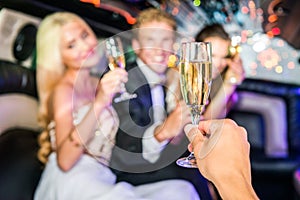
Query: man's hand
x=174, y=123
x=222, y=152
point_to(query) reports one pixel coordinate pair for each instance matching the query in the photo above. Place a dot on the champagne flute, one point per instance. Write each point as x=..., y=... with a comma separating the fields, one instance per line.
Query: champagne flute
x=195, y=80
x=116, y=58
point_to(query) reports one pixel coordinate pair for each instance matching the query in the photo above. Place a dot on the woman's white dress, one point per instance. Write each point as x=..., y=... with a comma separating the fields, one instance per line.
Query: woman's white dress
x=91, y=179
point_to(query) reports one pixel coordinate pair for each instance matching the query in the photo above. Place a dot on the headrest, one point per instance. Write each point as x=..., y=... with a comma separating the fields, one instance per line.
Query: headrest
x=18, y=97
x=18, y=111
x=17, y=79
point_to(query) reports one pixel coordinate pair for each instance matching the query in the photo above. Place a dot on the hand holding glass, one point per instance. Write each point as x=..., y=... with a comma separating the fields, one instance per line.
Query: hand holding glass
x=195, y=80
x=116, y=58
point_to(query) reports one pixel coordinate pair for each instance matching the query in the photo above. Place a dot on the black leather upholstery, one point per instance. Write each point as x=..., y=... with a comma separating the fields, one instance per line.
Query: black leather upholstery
x=17, y=79
x=20, y=169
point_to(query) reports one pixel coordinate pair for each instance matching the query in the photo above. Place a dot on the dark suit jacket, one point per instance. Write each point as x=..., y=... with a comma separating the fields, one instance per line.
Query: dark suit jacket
x=135, y=117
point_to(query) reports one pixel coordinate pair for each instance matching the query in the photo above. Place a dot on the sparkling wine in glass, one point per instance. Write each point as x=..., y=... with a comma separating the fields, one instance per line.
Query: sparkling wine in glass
x=116, y=58
x=195, y=80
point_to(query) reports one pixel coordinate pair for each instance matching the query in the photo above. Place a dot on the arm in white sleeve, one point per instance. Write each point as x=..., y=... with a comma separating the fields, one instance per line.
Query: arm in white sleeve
x=151, y=147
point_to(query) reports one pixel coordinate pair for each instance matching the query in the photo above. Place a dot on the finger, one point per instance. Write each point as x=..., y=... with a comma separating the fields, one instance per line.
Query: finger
x=122, y=87
x=118, y=72
x=190, y=131
x=230, y=121
x=243, y=131
x=190, y=147
x=181, y=104
x=236, y=57
x=235, y=69
x=124, y=79
x=235, y=63
x=123, y=76
x=204, y=126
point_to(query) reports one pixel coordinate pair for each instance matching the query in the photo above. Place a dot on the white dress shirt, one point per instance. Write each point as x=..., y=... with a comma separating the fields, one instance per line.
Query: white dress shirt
x=151, y=147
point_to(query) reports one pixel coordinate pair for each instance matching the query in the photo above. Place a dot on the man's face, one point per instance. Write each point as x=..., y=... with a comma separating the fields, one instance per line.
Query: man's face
x=154, y=45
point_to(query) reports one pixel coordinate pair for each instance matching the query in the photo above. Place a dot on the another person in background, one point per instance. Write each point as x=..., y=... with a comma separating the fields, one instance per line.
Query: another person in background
x=151, y=139
x=228, y=72
x=286, y=17
x=227, y=165
x=79, y=124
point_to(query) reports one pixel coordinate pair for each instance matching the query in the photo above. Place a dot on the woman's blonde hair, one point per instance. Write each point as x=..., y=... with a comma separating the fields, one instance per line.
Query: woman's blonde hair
x=50, y=69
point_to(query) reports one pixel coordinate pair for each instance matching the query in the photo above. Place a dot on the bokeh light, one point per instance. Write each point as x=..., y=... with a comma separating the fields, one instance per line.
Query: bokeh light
x=197, y=3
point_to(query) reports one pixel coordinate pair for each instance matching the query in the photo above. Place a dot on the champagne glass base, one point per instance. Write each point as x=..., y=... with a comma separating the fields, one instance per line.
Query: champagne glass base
x=124, y=96
x=188, y=162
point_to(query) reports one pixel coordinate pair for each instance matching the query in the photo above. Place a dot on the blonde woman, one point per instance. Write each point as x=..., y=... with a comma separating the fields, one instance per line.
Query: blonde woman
x=78, y=121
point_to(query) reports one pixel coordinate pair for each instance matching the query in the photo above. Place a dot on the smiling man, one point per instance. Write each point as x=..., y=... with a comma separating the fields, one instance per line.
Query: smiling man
x=145, y=150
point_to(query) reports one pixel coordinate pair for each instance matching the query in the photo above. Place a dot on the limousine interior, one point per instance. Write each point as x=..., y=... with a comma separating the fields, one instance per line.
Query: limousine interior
x=269, y=99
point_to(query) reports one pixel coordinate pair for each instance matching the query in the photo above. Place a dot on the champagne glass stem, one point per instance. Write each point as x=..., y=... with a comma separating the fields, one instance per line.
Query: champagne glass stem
x=196, y=114
x=190, y=161
x=196, y=117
